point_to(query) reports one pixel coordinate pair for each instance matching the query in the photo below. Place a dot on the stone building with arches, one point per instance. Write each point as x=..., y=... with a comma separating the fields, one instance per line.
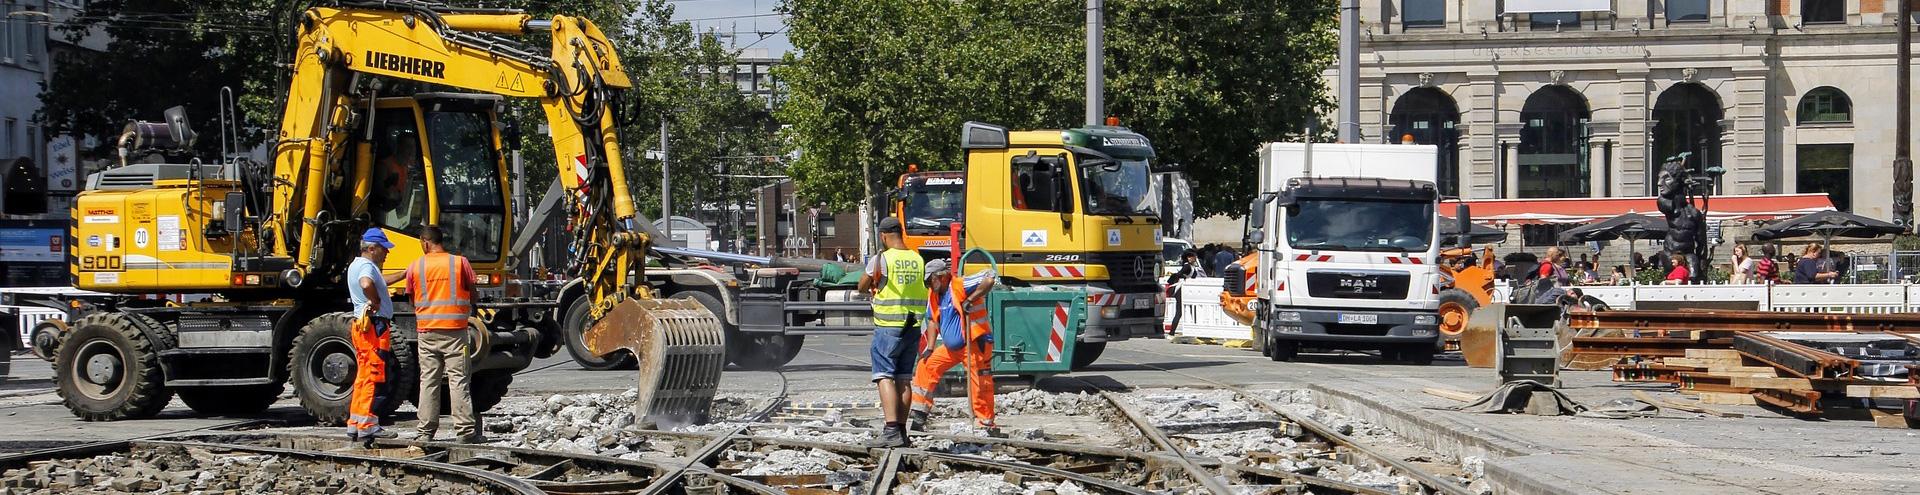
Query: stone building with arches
x=1586, y=98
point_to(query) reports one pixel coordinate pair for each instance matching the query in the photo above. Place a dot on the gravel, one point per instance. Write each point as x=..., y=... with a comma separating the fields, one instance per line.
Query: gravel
x=840, y=472
x=1195, y=407
x=175, y=469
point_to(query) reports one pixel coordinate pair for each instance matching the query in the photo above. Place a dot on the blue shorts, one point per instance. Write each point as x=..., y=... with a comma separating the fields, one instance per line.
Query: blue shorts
x=893, y=352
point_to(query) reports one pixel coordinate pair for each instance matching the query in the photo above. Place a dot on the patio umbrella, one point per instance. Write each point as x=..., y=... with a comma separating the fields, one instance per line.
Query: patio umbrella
x=1476, y=233
x=1827, y=225
x=1630, y=226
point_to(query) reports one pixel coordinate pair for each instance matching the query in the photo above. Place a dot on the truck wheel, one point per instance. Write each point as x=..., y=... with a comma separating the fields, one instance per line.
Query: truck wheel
x=760, y=352
x=46, y=339
x=244, y=400
x=1281, y=350
x=107, y=370
x=485, y=388
x=322, y=367
x=1085, y=353
x=575, y=328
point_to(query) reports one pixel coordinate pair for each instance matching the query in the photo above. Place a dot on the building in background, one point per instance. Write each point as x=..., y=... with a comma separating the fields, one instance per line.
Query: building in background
x=791, y=229
x=1586, y=98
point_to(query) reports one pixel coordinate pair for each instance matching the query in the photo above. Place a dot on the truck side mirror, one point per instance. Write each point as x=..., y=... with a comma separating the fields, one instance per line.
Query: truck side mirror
x=1257, y=212
x=1256, y=237
x=178, y=128
x=236, y=211
x=1463, y=220
x=1062, y=185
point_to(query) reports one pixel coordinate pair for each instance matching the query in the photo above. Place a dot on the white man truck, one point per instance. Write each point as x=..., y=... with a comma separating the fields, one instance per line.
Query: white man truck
x=1348, y=240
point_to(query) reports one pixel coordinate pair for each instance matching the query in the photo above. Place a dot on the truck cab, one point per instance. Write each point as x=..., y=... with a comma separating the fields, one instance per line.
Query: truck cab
x=1347, y=236
x=1072, y=208
x=926, y=203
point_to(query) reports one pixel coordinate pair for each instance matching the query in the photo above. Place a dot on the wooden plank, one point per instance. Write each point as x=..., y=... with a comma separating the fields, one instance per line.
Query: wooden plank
x=1883, y=392
x=1726, y=399
x=1713, y=354
x=1681, y=406
x=1451, y=394
x=1888, y=419
x=1773, y=382
x=1760, y=371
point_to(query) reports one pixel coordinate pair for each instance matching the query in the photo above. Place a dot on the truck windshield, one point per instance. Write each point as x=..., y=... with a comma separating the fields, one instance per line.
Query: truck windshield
x=933, y=203
x=1117, y=187
x=1360, y=225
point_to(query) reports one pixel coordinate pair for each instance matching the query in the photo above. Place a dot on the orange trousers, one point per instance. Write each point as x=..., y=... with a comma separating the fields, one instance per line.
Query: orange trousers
x=937, y=358
x=373, y=353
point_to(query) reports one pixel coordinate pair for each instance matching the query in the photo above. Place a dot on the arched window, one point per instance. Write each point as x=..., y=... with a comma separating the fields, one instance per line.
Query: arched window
x=1686, y=120
x=1429, y=116
x=1553, y=138
x=1825, y=105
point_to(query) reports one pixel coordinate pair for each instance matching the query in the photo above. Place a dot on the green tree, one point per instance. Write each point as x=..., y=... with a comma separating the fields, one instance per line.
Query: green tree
x=885, y=83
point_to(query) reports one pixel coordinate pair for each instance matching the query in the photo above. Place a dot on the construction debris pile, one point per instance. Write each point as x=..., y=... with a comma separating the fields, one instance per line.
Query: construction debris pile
x=1809, y=365
x=978, y=483
x=1219, y=424
x=597, y=424
x=177, y=469
x=798, y=467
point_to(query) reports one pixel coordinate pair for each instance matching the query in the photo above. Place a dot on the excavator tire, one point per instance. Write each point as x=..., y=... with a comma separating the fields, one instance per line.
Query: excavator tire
x=45, y=340
x=1085, y=353
x=322, y=367
x=758, y=352
x=1456, y=306
x=107, y=369
x=575, y=327
x=242, y=400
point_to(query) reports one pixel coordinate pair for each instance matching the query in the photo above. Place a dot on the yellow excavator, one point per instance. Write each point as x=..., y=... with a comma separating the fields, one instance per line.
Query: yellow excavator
x=393, y=121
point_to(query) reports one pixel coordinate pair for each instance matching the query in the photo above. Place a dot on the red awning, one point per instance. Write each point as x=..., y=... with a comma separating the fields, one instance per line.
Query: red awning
x=1581, y=210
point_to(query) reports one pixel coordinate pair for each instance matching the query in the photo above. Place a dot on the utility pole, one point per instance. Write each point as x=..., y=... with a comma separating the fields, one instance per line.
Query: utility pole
x=1096, y=73
x=1903, y=120
x=1348, y=120
x=666, y=184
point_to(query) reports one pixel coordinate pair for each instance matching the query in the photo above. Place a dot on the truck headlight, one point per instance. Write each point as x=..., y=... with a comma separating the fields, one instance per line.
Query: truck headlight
x=1287, y=317
x=1110, y=312
x=1425, y=319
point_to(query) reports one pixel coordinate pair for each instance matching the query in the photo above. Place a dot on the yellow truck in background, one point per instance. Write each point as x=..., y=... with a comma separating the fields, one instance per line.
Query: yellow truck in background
x=1072, y=209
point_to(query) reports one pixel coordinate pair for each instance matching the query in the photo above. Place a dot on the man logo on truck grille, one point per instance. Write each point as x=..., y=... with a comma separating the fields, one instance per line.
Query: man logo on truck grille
x=397, y=63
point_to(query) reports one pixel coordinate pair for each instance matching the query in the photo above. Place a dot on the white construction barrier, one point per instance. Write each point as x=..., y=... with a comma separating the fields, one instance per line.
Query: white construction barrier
x=1200, y=312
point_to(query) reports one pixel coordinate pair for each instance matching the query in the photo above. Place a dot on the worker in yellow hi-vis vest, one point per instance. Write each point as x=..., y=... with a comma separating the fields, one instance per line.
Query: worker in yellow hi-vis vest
x=896, y=279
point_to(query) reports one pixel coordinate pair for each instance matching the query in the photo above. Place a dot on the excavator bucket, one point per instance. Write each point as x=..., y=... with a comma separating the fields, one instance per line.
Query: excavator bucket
x=681, y=348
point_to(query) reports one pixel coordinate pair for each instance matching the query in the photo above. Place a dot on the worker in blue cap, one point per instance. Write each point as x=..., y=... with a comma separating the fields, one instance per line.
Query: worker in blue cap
x=372, y=340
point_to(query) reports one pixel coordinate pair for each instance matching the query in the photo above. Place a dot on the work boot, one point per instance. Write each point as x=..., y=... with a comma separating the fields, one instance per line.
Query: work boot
x=473, y=438
x=426, y=435
x=891, y=436
x=366, y=441
x=918, y=420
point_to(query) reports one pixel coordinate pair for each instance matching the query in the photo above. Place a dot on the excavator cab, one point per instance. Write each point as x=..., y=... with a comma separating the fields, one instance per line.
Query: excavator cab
x=434, y=159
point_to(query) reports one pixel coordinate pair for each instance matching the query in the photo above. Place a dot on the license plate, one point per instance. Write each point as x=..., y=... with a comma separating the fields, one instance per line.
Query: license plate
x=1142, y=303
x=1359, y=319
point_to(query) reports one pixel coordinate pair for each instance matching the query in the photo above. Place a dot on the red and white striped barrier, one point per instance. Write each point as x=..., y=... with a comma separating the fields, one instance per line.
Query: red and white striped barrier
x=1058, y=271
x=1056, y=344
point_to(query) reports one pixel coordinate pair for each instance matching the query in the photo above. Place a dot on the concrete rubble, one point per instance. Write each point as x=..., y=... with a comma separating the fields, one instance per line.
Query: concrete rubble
x=597, y=424
x=977, y=483
x=837, y=471
x=175, y=469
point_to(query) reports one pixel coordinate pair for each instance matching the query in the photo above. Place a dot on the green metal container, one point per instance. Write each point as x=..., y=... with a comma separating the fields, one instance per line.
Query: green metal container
x=1033, y=327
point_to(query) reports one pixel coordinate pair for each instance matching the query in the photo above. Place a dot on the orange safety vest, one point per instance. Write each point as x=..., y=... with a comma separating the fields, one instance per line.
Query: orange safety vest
x=975, y=316
x=442, y=287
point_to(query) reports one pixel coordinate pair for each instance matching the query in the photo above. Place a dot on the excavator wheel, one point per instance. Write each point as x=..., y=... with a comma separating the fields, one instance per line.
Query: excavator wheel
x=575, y=328
x=45, y=340
x=107, y=369
x=681, y=348
x=242, y=400
x=1455, y=308
x=758, y=352
x=322, y=367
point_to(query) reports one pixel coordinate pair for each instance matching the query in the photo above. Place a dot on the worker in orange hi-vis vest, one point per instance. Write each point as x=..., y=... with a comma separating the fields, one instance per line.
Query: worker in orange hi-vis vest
x=372, y=333
x=957, y=308
x=442, y=288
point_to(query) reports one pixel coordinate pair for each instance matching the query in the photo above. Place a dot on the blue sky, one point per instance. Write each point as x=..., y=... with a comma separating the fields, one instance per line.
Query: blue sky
x=747, y=20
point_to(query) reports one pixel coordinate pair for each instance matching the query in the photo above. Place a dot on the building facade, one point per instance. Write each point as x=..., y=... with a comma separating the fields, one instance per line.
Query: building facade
x=809, y=231
x=1586, y=98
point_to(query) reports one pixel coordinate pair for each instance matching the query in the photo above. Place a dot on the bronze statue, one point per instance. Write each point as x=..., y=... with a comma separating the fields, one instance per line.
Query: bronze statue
x=1686, y=223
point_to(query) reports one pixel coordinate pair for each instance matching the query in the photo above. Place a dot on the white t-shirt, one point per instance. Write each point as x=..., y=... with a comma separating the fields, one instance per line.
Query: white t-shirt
x=1745, y=271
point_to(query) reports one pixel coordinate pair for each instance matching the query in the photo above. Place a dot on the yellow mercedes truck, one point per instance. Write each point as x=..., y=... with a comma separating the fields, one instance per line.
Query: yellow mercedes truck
x=1074, y=209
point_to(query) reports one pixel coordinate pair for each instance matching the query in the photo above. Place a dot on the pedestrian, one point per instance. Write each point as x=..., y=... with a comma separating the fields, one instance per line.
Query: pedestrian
x=1554, y=267
x=442, y=287
x=1620, y=276
x=1639, y=262
x=1679, y=274
x=1588, y=275
x=372, y=333
x=1743, y=266
x=1189, y=268
x=1221, y=259
x=957, y=309
x=1765, y=269
x=897, y=281
x=1812, y=268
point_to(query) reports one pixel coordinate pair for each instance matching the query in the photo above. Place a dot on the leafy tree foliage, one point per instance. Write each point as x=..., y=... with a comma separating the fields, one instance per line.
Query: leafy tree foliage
x=885, y=83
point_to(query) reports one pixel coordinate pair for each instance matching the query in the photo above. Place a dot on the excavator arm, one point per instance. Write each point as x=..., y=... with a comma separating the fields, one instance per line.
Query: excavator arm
x=576, y=81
